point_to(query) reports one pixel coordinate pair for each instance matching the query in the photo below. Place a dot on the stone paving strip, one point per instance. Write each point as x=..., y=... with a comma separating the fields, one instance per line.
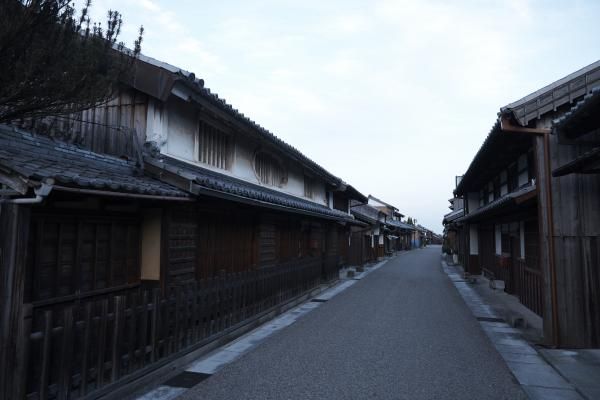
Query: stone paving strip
x=205, y=366
x=537, y=378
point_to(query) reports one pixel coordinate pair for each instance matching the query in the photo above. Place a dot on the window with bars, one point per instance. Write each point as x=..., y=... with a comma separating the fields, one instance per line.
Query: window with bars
x=213, y=146
x=269, y=170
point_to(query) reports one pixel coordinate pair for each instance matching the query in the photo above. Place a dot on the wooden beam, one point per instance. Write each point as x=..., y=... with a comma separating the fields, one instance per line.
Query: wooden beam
x=506, y=125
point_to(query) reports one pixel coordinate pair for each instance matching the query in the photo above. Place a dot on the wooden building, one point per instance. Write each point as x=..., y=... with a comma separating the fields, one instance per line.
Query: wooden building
x=365, y=241
x=396, y=233
x=454, y=237
x=142, y=230
x=530, y=200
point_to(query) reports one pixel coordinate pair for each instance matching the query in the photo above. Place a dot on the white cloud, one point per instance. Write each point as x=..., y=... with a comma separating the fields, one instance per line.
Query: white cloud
x=395, y=96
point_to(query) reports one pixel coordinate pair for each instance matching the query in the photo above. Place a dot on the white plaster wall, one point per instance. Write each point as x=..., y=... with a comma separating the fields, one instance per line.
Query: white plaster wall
x=458, y=203
x=156, y=123
x=473, y=201
x=473, y=240
x=498, y=237
x=295, y=184
x=243, y=159
x=522, y=238
x=373, y=202
x=178, y=127
x=182, y=128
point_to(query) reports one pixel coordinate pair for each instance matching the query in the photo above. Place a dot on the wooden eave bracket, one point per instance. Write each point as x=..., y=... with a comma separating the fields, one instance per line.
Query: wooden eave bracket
x=507, y=125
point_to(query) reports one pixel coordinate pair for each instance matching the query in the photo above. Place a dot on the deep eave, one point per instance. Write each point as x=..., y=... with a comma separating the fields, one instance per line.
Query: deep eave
x=587, y=163
x=204, y=182
x=504, y=205
x=498, y=150
x=453, y=216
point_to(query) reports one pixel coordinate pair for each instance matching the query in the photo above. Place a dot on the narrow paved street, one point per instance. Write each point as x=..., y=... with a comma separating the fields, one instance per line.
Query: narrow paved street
x=403, y=332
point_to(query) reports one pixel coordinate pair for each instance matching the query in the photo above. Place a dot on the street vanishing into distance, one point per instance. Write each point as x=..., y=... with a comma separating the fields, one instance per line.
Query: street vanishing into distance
x=402, y=332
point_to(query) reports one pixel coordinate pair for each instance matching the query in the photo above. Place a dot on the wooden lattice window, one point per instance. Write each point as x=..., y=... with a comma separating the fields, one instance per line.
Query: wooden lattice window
x=76, y=255
x=269, y=170
x=214, y=146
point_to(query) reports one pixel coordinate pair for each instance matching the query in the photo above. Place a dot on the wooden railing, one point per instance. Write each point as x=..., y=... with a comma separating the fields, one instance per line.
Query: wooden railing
x=80, y=349
x=521, y=280
x=501, y=269
x=531, y=287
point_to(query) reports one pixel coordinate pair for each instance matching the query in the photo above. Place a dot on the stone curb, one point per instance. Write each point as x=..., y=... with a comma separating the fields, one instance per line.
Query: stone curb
x=538, y=379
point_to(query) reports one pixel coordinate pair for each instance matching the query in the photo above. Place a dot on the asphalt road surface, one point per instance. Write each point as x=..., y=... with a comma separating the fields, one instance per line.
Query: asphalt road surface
x=403, y=332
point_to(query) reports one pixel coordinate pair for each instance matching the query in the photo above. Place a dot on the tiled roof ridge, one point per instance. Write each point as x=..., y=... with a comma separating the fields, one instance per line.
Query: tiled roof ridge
x=540, y=92
x=558, y=122
x=60, y=145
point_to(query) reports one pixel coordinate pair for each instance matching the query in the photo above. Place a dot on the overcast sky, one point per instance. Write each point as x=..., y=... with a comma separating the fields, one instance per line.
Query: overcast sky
x=395, y=97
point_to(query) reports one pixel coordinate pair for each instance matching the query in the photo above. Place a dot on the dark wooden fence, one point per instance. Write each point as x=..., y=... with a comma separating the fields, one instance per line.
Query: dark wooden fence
x=331, y=268
x=530, y=290
x=520, y=280
x=360, y=251
x=84, y=349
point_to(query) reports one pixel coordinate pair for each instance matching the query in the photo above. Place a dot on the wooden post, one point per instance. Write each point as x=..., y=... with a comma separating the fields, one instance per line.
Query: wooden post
x=545, y=235
x=14, y=230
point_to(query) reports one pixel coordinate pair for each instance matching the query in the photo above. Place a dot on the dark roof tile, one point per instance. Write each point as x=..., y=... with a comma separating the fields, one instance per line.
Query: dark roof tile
x=233, y=186
x=39, y=157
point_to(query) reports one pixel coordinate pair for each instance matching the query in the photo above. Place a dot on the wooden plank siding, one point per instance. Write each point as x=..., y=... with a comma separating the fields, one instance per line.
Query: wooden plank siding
x=576, y=232
x=107, y=128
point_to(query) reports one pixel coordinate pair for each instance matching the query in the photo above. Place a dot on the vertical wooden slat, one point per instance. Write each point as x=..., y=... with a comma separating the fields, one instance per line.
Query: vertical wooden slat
x=143, y=331
x=45, y=356
x=116, y=338
x=87, y=332
x=14, y=237
x=64, y=382
x=23, y=350
x=154, y=318
x=131, y=331
x=102, y=332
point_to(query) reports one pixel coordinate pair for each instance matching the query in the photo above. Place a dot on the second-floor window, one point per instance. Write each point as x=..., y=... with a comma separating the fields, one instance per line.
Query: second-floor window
x=214, y=146
x=269, y=170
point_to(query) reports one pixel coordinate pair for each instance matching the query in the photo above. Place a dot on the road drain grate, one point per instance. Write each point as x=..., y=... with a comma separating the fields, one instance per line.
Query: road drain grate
x=490, y=319
x=187, y=379
x=318, y=300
